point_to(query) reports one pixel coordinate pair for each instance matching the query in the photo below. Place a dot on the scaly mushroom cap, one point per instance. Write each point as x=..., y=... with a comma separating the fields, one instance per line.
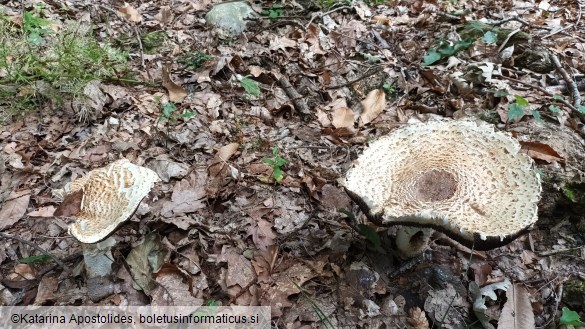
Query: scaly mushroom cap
x=109, y=196
x=458, y=177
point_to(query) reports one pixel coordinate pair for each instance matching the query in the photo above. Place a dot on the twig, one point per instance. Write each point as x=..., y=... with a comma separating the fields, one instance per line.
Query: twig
x=557, y=31
x=519, y=20
x=559, y=295
x=325, y=14
x=558, y=251
x=139, y=44
x=580, y=11
x=507, y=39
x=368, y=73
x=32, y=245
x=133, y=26
x=297, y=99
x=570, y=82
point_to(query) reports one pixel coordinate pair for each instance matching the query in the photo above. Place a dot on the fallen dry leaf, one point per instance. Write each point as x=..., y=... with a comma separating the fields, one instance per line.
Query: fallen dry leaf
x=188, y=195
x=517, y=312
x=176, y=93
x=165, y=15
x=343, y=118
x=540, y=151
x=42, y=212
x=174, y=287
x=14, y=208
x=130, y=13
x=219, y=167
x=373, y=105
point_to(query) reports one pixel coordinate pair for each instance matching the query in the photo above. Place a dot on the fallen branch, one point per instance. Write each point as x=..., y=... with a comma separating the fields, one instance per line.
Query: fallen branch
x=297, y=99
x=570, y=82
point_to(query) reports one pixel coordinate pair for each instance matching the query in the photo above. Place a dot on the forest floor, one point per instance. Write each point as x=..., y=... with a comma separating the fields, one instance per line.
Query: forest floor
x=252, y=134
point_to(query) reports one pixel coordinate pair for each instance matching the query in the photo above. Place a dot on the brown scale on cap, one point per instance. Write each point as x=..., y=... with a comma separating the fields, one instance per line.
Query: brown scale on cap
x=458, y=177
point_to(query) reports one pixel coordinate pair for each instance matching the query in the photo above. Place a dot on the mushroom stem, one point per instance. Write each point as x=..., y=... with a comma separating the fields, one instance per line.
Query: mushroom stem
x=411, y=241
x=97, y=257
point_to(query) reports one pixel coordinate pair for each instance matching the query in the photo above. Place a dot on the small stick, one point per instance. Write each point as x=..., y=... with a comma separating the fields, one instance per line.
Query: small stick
x=507, y=39
x=558, y=251
x=32, y=245
x=325, y=14
x=557, y=31
x=139, y=43
x=297, y=99
x=368, y=73
x=570, y=82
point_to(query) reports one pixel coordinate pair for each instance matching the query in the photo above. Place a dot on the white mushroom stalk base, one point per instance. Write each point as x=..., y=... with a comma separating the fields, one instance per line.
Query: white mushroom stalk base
x=412, y=241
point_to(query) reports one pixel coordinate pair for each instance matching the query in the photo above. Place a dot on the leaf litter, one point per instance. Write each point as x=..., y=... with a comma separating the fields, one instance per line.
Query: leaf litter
x=318, y=89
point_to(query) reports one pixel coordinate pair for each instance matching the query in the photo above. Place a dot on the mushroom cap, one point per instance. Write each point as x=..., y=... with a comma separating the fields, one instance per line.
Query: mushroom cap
x=458, y=177
x=109, y=196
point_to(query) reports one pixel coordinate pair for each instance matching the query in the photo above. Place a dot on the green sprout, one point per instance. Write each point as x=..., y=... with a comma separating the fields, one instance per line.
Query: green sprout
x=276, y=162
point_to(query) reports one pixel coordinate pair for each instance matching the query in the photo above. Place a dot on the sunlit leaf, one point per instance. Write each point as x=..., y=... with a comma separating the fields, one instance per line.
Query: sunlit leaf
x=521, y=100
x=570, y=318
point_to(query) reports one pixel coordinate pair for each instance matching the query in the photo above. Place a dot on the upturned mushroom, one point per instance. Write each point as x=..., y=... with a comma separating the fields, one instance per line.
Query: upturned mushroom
x=458, y=177
x=99, y=202
x=104, y=198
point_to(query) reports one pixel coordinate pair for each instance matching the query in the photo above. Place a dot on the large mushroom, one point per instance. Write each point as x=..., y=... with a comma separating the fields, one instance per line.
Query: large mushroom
x=104, y=198
x=99, y=202
x=458, y=177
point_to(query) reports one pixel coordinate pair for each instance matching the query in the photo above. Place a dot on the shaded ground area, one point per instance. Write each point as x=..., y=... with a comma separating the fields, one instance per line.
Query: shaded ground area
x=216, y=115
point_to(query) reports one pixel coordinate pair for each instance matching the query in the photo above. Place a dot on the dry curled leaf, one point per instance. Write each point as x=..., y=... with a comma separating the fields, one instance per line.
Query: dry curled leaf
x=540, y=151
x=373, y=105
x=219, y=167
x=343, y=118
x=176, y=92
x=130, y=13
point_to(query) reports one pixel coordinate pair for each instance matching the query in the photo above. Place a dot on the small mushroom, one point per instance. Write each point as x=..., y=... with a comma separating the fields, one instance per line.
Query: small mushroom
x=457, y=177
x=105, y=198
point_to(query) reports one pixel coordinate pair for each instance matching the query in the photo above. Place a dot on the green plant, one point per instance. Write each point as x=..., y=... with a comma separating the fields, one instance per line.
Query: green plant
x=250, y=86
x=194, y=61
x=445, y=50
x=35, y=260
x=570, y=318
x=490, y=38
x=389, y=88
x=171, y=114
x=152, y=41
x=276, y=162
x=274, y=11
x=39, y=66
x=516, y=110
